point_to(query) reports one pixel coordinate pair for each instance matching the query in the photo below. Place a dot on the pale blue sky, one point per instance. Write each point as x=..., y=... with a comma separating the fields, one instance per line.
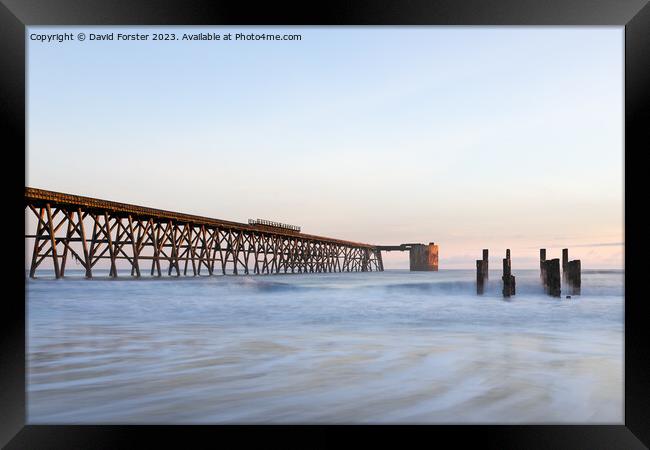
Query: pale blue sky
x=471, y=137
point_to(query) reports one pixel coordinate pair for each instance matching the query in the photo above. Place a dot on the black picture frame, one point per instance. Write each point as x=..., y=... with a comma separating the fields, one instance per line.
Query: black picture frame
x=15, y=15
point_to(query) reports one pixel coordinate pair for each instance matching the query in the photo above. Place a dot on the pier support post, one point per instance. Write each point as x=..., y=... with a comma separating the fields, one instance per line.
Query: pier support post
x=552, y=277
x=485, y=265
x=378, y=262
x=481, y=272
x=565, y=263
x=480, y=276
x=542, y=259
x=508, y=278
x=50, y=225
x=573, y=276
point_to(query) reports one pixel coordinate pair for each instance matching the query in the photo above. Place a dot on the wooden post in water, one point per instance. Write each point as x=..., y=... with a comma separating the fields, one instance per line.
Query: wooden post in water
x=480, y=276
x=573, y=276
x=552, y=277
x=512, y=278
x=485, y=265
x=508, y=278
x=565, y=263
x=542, y=259
x=481, y=272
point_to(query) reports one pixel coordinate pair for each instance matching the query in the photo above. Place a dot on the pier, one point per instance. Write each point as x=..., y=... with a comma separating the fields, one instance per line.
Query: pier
x=156, y=241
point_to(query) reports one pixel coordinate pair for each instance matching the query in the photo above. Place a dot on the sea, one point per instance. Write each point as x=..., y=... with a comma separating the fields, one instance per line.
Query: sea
x=392, y=347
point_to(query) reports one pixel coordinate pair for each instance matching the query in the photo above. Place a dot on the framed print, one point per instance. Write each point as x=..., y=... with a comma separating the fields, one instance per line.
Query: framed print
x=407, y=217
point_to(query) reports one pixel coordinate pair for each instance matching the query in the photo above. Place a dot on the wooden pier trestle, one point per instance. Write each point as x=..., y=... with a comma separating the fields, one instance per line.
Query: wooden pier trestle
x=155, y=241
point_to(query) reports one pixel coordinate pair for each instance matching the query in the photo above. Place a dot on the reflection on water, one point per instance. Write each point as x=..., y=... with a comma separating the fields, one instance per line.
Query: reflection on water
x=391, y=347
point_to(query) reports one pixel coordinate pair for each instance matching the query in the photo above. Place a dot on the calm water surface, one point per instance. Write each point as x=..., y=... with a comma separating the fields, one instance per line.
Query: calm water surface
x=391, y=347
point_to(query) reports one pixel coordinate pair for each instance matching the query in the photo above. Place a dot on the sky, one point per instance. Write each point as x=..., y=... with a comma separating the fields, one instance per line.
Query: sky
x=470, y=137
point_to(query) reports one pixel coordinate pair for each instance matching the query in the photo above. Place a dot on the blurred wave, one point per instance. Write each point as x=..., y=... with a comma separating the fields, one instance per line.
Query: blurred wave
x=389, y=347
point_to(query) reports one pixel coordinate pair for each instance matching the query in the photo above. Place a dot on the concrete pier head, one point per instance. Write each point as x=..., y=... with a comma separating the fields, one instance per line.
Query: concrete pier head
x=424, y=257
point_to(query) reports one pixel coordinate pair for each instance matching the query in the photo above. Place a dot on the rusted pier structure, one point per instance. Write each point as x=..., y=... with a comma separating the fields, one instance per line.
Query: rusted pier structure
x=156, y=241
x=421, y=257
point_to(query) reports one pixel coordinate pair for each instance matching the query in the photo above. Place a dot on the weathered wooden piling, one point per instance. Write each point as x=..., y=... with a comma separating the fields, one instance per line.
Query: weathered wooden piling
x=552, y=278
x=508, y=278
x=573, y=276
x=565, y=262
x=542, y=259
x=485, y=260
x=480, y=276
